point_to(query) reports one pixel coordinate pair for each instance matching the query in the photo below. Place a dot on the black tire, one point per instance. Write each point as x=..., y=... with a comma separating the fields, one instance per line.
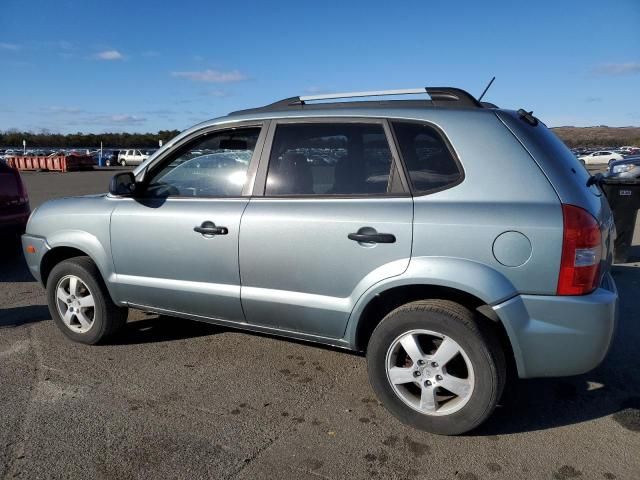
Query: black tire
x=479, y=343
x=108, y=317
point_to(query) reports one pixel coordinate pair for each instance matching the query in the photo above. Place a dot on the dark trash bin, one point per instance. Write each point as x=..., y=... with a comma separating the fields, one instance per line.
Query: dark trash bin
x=623, y=195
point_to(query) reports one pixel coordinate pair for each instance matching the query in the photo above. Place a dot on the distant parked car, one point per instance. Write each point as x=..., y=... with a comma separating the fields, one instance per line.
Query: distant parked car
x=109, y=157
x=629, y=149
x=626, y=168
x=600, y=157
x=131, y=157
x=14, y=202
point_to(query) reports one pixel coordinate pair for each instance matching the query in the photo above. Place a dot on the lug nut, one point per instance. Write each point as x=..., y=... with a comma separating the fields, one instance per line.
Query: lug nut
x=438, y=377
x=420, y=362
x=427, y=383
x=434, y=364
x=416, y=374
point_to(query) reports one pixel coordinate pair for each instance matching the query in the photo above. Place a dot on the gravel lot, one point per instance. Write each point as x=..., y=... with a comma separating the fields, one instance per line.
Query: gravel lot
x=178, y=399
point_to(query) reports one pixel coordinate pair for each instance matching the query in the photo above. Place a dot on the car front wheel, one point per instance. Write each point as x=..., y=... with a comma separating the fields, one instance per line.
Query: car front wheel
x=435, y=368
x=123, y=163
x=80, y=304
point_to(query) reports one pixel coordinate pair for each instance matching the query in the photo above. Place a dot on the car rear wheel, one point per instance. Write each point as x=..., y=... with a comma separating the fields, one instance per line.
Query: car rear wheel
x=123, y=162
x=435, y=368
x=80, y=304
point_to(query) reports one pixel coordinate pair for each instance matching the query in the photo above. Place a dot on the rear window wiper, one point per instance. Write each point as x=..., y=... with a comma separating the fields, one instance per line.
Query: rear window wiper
x=528, y=117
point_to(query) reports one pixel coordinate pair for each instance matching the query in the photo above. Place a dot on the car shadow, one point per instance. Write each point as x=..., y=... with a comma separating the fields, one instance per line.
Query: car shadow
x=13, y=267
x=18, y=316
x=162, y=328
x=613, y=388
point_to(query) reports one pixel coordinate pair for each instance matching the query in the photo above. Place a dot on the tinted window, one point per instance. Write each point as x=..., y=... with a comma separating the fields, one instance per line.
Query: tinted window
x=330, y=159
x=213, y=165
x=428, y=161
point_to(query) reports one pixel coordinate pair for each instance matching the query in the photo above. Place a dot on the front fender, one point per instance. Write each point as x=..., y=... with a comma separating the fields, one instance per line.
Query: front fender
x=90, y=245
x=474, y=278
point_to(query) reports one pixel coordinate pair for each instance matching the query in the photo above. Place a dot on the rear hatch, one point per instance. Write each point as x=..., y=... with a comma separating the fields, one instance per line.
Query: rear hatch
x=567, y=175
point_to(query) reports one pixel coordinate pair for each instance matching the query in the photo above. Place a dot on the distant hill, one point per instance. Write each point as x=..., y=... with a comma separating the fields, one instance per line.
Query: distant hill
x=601, y=136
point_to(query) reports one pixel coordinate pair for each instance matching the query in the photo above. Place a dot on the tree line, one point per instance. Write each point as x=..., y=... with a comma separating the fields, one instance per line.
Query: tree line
x=572, y=136
x=598, y=137
x=14, y=138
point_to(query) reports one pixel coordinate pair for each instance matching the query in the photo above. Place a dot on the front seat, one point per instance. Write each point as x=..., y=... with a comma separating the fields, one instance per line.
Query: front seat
x=293, y=176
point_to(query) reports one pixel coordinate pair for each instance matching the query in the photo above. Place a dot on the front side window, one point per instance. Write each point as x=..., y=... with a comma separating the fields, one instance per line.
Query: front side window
x=428, y=161
x=330, y=159
x=214, y=165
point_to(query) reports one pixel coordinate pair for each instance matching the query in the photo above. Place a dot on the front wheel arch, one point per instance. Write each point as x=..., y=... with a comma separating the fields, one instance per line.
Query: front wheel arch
x=61, y=253
x=54, y=257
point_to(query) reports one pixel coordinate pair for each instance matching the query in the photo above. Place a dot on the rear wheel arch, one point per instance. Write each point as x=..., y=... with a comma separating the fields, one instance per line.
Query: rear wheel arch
x=388, y=300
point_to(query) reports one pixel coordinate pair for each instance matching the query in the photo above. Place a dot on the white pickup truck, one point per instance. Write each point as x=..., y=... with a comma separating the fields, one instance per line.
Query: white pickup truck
x=131, y=157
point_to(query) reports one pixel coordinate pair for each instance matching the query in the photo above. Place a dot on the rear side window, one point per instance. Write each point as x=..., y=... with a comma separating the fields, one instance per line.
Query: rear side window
x=331, y=159
x=429, y=162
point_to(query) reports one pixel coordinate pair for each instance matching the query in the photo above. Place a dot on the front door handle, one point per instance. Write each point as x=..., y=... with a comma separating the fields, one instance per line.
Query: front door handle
x=370, y=235
x=209, y=228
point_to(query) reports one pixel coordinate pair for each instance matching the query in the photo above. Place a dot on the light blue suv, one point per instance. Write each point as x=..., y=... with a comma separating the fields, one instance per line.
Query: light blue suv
x=448, y=239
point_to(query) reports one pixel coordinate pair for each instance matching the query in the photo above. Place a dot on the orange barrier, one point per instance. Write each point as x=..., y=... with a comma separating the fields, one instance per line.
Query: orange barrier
x=59, y=163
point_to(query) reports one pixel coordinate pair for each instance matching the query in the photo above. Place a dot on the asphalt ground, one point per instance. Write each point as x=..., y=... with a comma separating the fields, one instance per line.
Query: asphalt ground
x=171, y=398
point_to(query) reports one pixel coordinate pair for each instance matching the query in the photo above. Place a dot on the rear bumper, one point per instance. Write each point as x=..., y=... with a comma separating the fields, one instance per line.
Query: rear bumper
x=554, y=336
x=34, y=259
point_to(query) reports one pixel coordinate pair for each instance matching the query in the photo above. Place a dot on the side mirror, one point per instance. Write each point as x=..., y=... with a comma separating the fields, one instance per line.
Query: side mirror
x=122, y=184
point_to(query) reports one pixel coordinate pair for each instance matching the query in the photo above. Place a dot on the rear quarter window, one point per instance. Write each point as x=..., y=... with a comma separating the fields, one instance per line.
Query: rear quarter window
x=429, y=162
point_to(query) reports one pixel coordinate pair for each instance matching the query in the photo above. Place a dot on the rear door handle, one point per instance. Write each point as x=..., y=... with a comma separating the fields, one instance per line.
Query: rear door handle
x=369, y=235
x=209, y=228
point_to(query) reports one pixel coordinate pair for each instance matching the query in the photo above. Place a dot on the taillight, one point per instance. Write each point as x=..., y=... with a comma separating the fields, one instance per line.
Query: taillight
x=581, y=252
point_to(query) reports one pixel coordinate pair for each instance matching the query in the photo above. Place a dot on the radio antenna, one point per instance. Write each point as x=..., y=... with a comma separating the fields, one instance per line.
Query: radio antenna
x=487, y=88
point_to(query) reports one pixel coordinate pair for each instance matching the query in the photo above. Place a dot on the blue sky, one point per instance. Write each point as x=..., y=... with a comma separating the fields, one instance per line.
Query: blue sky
x=141, y=65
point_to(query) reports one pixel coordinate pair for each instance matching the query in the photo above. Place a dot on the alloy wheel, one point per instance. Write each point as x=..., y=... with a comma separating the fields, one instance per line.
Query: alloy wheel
x=76, y=304
x=430, y=372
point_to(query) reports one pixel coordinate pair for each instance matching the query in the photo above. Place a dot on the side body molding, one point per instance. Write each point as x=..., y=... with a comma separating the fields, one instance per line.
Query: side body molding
x=468, y=276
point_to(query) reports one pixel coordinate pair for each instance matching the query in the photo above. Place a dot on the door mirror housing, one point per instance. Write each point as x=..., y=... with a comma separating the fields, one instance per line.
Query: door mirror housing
x=122, y=184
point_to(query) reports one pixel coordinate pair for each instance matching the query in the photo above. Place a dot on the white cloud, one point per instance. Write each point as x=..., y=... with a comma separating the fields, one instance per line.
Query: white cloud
x=127, y=119
x=109, y=55
x=212, y=76
x=108, y=119
x=9, y=46
x=68, y=110
x=618, y=68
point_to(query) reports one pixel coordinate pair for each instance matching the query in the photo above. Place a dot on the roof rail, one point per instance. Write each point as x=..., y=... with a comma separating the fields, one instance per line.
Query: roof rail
x=374, y=93
x=437, y=94
x=440, y=97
